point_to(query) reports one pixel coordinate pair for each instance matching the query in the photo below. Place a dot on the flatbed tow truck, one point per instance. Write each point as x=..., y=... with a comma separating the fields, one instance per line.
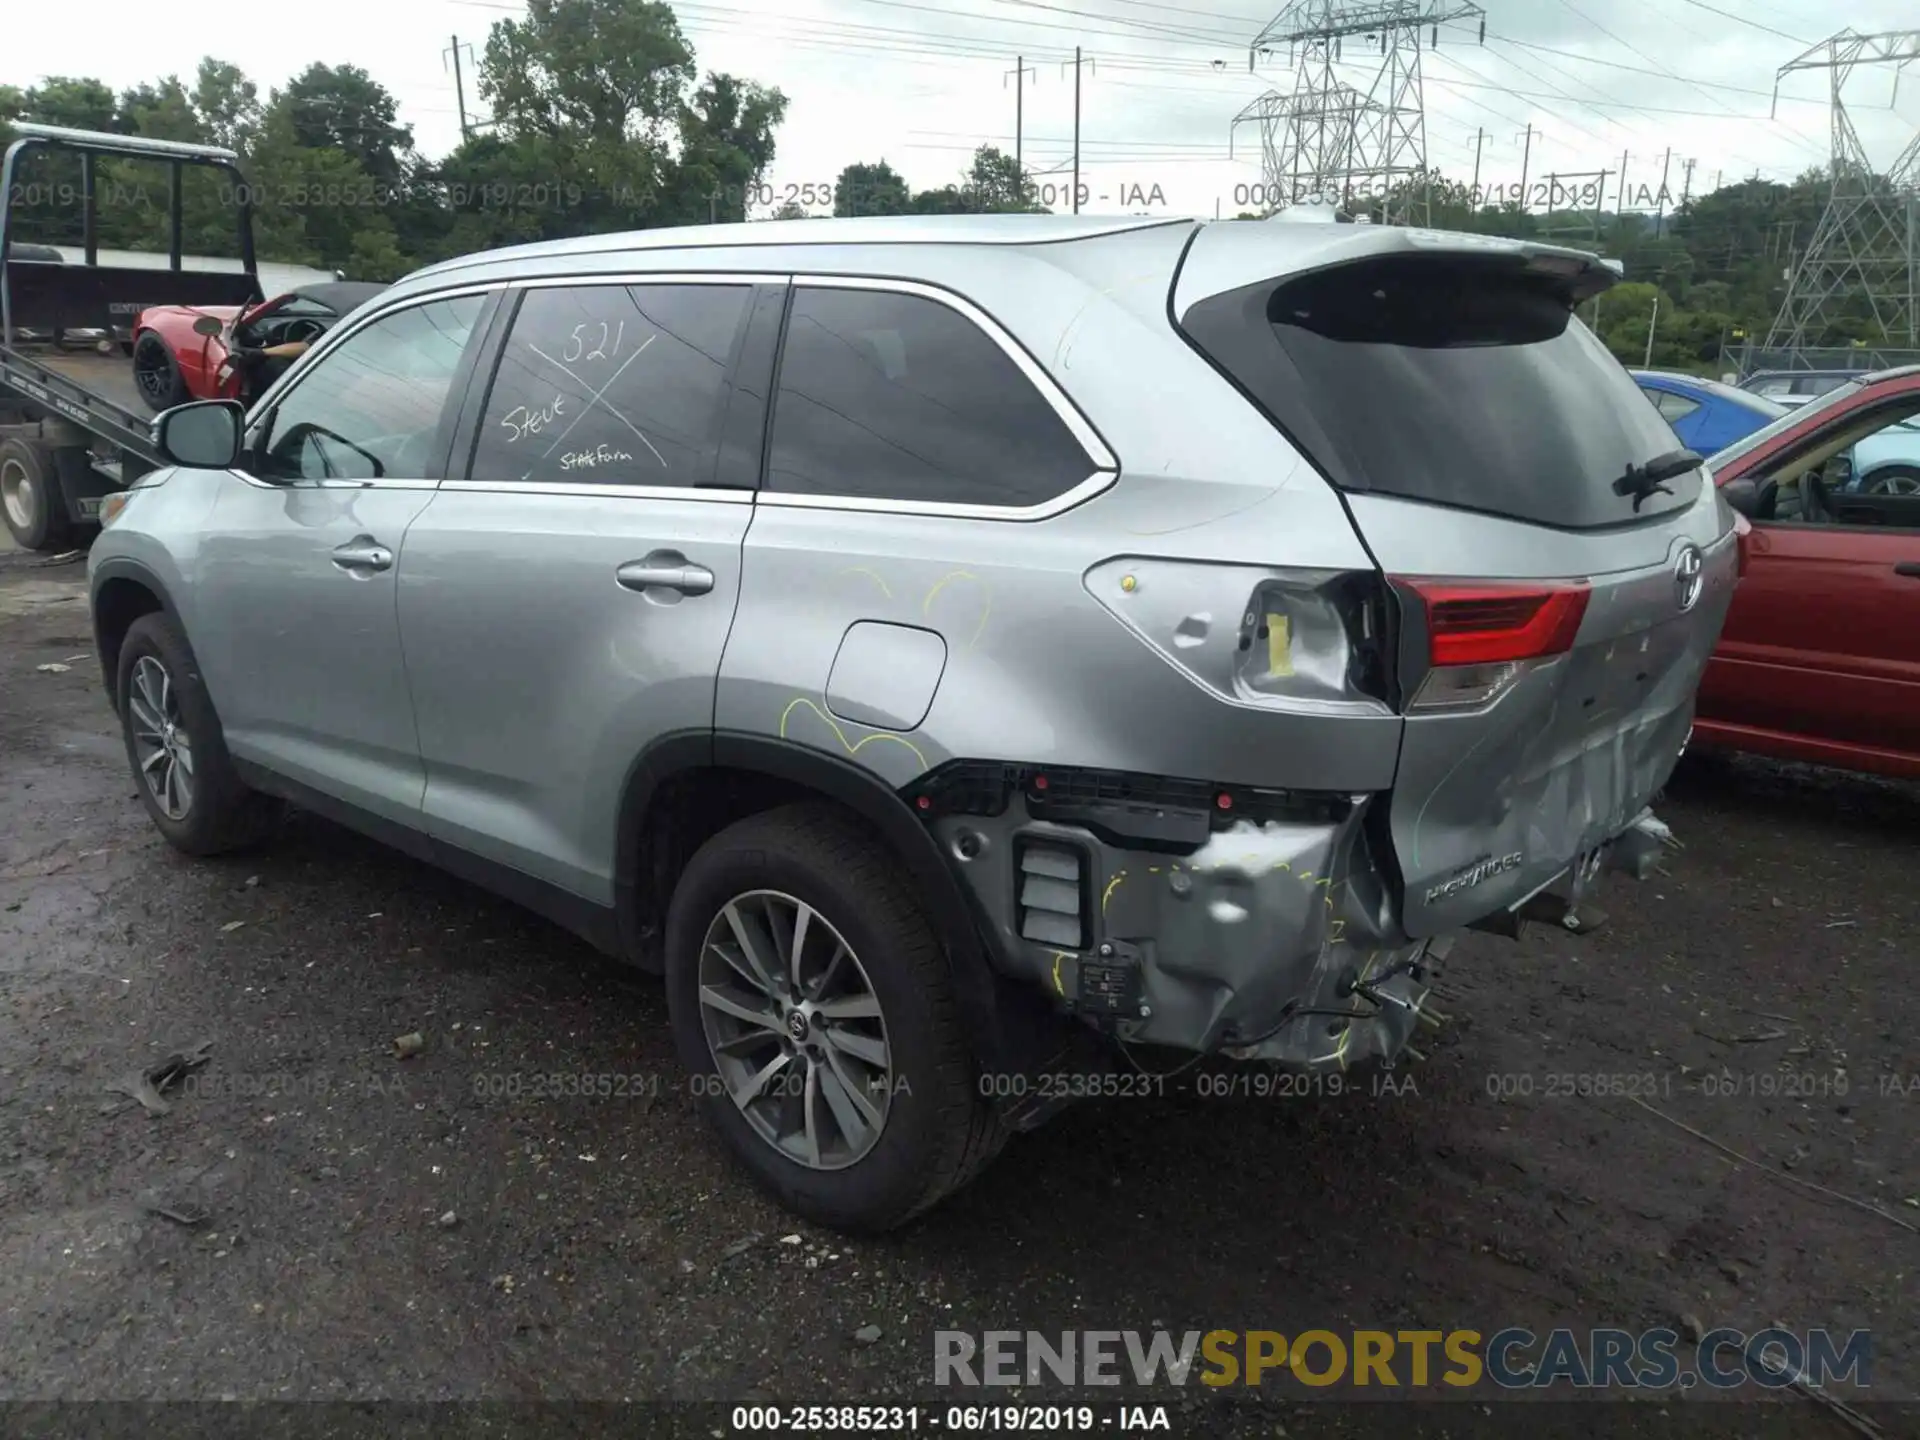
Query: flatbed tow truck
x=71, y=423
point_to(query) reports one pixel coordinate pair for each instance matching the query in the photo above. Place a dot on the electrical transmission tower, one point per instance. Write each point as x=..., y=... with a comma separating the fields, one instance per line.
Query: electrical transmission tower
x=1385, y=142
x=1306, y=141
x=1861, y=261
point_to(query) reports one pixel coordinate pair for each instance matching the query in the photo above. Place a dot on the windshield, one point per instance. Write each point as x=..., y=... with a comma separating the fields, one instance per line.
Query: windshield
x=1787, y=419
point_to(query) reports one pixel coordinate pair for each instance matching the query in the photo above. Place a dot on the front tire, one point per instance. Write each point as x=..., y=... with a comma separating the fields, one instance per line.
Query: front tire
x=156, y=374
x=181, y=767
x=837, y=1070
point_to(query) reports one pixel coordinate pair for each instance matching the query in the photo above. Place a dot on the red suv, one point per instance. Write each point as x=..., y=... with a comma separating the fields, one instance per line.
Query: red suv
x=1820, y=658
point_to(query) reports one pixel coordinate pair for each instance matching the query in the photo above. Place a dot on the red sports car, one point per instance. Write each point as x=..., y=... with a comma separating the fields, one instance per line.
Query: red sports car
x=228, y=352
x=1820, y=658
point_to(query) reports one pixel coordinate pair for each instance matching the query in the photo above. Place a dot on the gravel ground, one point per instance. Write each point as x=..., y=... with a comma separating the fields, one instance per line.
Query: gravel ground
x=425, y=1228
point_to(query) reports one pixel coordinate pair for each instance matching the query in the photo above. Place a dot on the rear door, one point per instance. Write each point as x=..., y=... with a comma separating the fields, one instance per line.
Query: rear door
x=1555, y=618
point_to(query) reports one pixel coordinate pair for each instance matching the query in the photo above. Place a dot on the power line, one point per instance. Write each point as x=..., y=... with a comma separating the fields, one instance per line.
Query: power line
x=1741, y=19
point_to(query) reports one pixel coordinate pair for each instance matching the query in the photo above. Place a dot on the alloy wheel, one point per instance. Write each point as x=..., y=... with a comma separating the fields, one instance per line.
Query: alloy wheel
x=150, y=373
x=795, y=1030
x=162, y=748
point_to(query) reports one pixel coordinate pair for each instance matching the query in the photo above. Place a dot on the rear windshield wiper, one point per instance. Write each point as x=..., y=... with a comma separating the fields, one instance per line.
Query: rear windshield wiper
x=1643, y=481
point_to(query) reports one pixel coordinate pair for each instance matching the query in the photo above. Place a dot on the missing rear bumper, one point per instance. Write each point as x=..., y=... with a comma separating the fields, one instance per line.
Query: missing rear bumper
x=1271, y=940
x=1562, y=902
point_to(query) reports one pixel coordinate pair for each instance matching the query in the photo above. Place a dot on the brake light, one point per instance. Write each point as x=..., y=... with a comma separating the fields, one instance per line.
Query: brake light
x=1481, y=638
x=1483, y=624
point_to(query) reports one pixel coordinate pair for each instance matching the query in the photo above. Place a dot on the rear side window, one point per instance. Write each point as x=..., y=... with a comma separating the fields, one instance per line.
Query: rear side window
x=1674, y=407
x=1458, y=381
x=612, y=385
x=890, y=396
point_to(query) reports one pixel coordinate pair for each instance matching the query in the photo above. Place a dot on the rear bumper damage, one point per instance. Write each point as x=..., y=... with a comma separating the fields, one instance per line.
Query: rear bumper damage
x=1273, y=941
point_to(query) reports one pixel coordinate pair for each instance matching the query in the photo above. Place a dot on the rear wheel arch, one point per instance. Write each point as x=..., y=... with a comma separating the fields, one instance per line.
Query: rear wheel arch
x=685, y=788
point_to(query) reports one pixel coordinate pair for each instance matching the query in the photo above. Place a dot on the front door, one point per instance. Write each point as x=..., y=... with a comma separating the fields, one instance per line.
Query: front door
x=1821, y=653
x=567, y=602
x=296, y=628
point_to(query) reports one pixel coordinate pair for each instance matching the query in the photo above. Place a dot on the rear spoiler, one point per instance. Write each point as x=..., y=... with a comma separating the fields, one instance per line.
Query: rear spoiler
x=1586, y=274
x=1225, y=258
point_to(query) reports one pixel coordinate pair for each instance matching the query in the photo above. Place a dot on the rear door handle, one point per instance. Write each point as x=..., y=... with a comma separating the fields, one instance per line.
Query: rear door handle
x=1911, y=568
x=687, y=578
x=363, y=554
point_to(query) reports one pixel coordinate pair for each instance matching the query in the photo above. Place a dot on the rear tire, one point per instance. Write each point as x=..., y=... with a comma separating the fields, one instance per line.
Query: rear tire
x=181, y=767
x=915, y=1068
x=156, y=374
x=31, y=498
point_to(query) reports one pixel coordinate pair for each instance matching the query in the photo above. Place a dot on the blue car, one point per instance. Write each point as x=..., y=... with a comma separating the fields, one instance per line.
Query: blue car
x=1706, y=415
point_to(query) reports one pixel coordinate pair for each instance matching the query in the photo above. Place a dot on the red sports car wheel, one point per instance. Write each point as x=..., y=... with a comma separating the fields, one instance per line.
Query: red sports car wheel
x=155, y=374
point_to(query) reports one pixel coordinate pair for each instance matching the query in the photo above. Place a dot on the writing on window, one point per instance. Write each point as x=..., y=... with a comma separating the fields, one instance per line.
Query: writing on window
x=613, y=385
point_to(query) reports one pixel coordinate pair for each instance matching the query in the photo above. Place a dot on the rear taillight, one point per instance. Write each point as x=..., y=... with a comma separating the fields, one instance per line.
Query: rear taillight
x=1481, y=638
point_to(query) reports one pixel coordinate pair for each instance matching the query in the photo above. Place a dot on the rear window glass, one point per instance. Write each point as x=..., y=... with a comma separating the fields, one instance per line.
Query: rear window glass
x=1458, y=381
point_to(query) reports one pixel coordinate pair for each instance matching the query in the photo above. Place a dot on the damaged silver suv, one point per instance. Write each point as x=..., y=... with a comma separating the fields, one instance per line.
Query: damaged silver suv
x=927, y=642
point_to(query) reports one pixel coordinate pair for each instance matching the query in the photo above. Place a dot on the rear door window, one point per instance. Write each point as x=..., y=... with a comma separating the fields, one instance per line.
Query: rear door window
x=1463, y=381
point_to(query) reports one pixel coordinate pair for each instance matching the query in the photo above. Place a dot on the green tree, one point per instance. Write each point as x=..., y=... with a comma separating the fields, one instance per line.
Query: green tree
x=588, y=70
x=79, y=104
x=161, y=112
x=598, y=126
x=726, y=144
x=228, y=104
x=874, y=189
x=998, y=184
x=317, y=205
x=341, y=107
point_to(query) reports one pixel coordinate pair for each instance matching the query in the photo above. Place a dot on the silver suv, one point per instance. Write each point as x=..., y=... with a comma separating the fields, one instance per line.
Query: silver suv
x=938, y=646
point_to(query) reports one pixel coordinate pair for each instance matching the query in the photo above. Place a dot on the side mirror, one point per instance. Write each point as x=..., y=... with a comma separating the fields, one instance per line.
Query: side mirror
x=207, y=325
x=204, y=435
x=1743, y=495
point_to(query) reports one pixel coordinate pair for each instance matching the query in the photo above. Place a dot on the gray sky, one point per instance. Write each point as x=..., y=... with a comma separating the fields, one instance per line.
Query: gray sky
x=919, y=83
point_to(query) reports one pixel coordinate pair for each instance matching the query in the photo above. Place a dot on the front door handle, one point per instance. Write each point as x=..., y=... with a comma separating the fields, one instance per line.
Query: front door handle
x=688, y=579
x=1910, y=569
x=362, y=553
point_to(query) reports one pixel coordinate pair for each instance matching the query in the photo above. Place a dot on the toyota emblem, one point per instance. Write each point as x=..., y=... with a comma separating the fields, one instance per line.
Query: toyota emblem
x=1687, y=577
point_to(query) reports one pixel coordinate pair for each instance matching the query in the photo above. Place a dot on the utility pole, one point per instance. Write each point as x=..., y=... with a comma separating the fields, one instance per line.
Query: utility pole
x=1652, y=325
x=1076, y=129
x=1479, y=135
x=1661, y=213
x=459, y=86
x=1624, y=157
x=1686, y=187
x=1019, y=73
x=1526, y=158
